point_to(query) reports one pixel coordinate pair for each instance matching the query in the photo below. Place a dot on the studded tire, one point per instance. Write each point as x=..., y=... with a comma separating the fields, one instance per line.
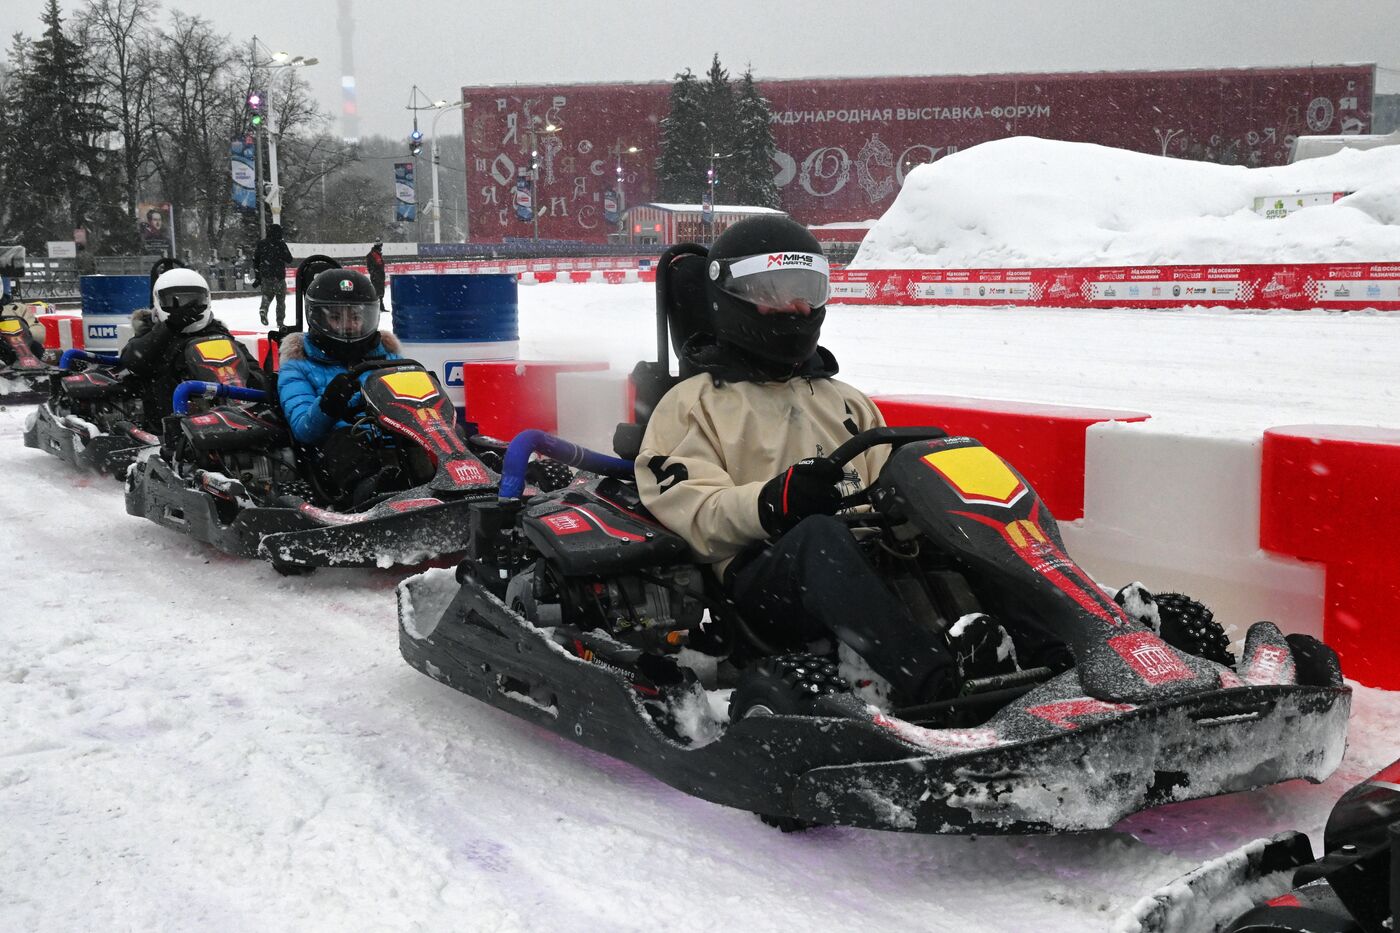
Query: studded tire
x=785, y=685
x=1191, y=627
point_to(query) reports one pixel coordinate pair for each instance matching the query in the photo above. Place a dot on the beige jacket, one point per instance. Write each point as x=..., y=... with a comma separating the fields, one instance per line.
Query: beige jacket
x=708, y=450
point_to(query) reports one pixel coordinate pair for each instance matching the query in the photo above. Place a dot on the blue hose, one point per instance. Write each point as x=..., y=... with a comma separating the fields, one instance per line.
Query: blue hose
x=109, y=359
x=539, y=442
x=180, y=400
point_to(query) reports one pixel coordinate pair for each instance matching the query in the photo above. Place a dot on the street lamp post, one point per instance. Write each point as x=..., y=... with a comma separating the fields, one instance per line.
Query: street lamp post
x=442, y=107
x=534, y=134
x=618, y=187
x=273, y=196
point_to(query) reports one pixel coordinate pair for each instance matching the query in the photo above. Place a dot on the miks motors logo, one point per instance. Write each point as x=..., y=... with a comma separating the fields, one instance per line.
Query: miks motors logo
x=783, y=260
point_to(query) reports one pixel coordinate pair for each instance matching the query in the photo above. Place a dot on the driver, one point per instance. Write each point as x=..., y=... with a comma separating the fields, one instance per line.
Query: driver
x=319, y=396
x=734, y=460
x=28, y=331
x=180, y=314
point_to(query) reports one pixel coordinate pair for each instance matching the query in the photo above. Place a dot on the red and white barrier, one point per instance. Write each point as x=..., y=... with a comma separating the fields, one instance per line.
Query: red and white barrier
x=1044, y=442
x=507, y=397
x=1329, y=496
x=257, y=344
x=530, y=271
x=1339, y=286
x=62, y=330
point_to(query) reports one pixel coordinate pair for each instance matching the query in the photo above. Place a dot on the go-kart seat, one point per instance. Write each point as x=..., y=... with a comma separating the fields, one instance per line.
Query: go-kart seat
x=681, y=291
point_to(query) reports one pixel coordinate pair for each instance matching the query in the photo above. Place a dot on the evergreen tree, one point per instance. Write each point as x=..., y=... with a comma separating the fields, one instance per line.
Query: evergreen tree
x=720, y=124
x=681, y=166
x=750, y=170
x=67, y=168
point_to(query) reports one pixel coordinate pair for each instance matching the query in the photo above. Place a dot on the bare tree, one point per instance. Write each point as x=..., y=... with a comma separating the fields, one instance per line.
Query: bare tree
x=120, y=50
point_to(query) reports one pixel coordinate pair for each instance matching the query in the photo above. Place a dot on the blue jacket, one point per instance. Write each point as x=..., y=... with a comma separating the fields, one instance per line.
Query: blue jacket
x=303, y=374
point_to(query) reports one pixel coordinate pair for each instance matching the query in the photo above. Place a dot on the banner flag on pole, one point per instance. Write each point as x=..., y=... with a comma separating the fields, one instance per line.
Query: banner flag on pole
x=405, y=201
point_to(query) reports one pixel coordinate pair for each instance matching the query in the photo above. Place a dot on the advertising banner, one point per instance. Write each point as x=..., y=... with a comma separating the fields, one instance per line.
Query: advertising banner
x=846, y=145
x=405, y=201
x=242, y=155
x=1277, y=206
x=524, y=196
x=157, y=228
x=1340, y=286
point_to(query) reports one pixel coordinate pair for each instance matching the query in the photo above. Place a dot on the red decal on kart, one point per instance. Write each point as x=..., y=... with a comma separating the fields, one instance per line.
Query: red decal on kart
x=938, y=738
x=1285, y=900
x=1270, y=664
x=566, y=523
x=467, y=473
x=1043, y=557
x=408, y=505
x=1150, y=657
x=1064, y=712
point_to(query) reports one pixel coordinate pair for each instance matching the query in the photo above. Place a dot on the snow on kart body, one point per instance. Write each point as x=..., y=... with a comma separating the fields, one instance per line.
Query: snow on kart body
x=95, y=419
x=571, y=608
x=234, y=478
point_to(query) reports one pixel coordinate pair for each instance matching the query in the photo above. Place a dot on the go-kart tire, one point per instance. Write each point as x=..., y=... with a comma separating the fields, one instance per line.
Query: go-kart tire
x=1191, y=627
x=785, y=685
x=290, y=570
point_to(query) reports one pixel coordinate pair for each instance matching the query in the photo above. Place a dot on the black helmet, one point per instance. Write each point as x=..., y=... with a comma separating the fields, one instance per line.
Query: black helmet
x=767, y=284
x=342, y=314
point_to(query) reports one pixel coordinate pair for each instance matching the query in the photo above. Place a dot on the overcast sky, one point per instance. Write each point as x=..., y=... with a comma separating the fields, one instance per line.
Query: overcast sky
x=442, y=45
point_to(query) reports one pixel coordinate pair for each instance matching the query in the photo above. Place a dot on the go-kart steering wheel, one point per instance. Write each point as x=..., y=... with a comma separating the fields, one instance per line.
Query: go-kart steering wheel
x=894, y=437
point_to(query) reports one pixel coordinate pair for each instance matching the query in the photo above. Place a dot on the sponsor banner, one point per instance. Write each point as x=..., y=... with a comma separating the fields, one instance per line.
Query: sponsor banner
x=1275, y=206
x=1296, y=286
x=241, y=152
x=846, y=145
x=405, y=200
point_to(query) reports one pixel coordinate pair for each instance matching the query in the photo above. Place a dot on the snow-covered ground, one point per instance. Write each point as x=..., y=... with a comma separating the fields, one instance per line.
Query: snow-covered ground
x=193, y=742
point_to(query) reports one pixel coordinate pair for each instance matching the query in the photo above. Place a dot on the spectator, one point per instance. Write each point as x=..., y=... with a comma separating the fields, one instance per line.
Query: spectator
x=270, y=259
x=374, y=262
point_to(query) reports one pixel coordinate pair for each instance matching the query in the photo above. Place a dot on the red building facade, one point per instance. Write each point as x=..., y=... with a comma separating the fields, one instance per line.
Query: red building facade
x=844, y=145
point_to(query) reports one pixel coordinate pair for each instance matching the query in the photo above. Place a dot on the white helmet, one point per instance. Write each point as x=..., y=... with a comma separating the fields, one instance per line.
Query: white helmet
x=180, y=288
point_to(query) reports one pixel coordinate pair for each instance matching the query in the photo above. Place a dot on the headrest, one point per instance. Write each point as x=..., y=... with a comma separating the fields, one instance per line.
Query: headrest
x=688, y=311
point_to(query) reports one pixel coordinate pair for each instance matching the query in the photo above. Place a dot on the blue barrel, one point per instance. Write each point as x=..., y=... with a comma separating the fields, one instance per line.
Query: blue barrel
x=445, y=321
x=108, y=301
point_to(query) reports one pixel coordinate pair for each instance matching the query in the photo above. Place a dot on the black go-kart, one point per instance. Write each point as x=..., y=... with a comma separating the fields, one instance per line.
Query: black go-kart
x=1277, y=885
x=24, y=375
x=234, y=477
x=93, y=416
x=577, y=611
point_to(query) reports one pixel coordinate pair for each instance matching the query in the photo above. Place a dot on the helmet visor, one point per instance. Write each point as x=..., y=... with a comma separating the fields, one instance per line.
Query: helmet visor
x=776, y=281
x=179, y=297
x=344, y=320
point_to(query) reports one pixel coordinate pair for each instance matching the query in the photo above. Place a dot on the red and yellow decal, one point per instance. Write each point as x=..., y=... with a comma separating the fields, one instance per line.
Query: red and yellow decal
x=414, y=386
x=977, y=475
x=216, y=351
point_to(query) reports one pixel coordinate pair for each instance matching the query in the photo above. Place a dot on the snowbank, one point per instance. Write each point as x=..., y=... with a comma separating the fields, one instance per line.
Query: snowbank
x=1025, y=201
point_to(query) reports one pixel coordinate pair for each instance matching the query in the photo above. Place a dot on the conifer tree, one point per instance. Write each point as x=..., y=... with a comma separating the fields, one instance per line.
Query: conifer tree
x=680, y=168
x=751, y=167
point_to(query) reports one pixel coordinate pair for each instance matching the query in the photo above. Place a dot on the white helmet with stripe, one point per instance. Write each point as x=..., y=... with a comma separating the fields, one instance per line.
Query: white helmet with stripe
x=181, y=288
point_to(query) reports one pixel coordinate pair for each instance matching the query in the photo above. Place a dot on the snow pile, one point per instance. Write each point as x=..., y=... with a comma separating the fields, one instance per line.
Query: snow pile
x=1025, y=201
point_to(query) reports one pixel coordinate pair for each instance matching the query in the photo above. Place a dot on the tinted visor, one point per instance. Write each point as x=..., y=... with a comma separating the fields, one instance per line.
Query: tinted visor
x=344, y=320
x=183, y=296
x=784, y=281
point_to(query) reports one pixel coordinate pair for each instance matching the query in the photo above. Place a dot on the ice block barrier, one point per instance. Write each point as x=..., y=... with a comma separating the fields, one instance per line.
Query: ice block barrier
x=1329, y=494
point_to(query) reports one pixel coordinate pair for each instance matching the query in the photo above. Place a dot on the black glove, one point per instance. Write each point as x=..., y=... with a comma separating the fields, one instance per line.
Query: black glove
x=335, y=401
x=548, y=475
x=181, y=318
x=808, y=487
